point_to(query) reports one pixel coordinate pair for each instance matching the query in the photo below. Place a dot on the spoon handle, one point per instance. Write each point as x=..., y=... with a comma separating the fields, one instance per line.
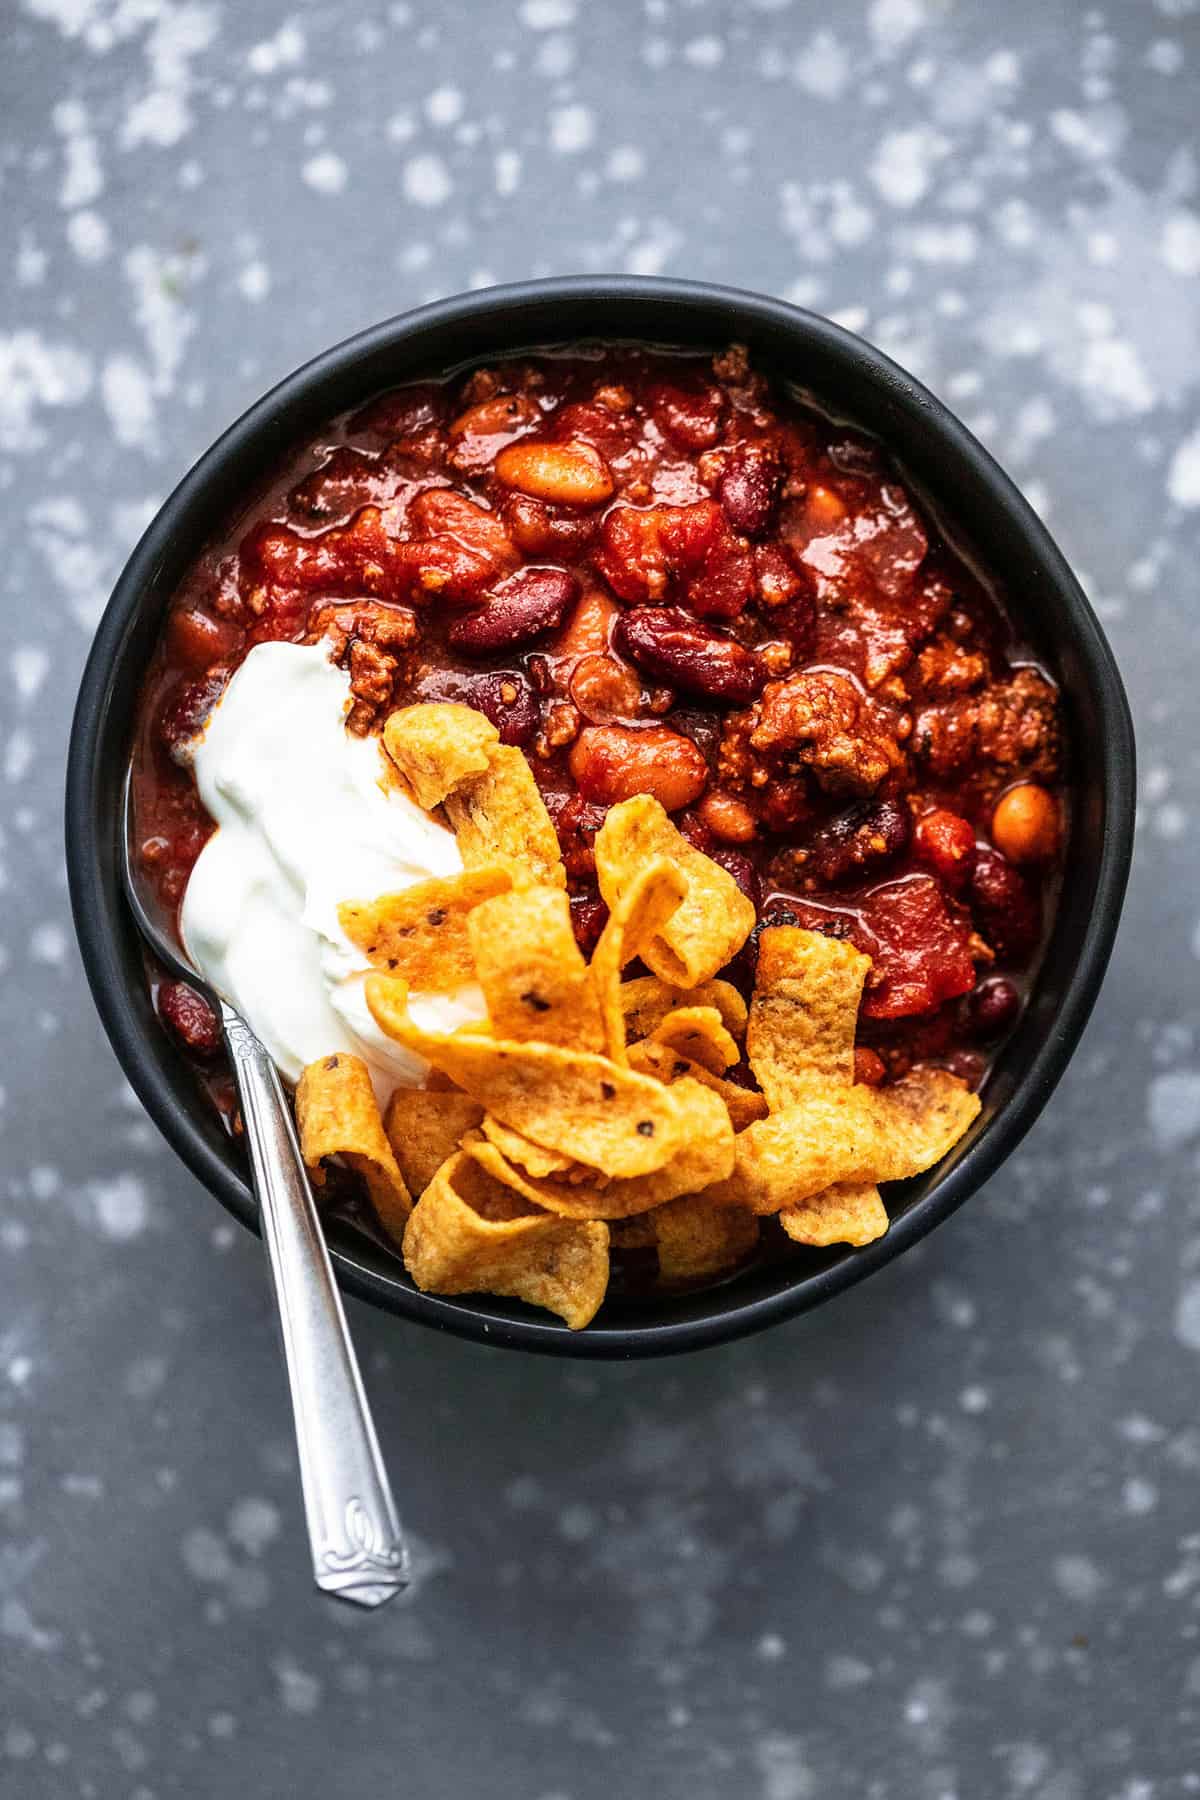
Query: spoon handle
x=358, y=1548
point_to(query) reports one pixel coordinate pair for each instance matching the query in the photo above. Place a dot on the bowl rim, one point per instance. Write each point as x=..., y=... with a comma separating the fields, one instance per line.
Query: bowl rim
x=1113, y=760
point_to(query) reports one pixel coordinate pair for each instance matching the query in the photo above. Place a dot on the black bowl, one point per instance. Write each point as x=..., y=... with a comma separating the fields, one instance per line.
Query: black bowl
x=953, y=473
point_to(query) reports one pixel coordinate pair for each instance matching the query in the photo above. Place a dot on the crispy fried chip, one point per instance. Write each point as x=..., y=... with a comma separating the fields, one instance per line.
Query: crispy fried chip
x=848, y=1134
x=743, y=1105
x=643, y=908
x=619, y=1122
x=715, y=917
x=469, y=1234
x=532, y=971
x=697, y=1239
x=437, y=748
x=647, y=1000
x=635, y=1233
x=804, y=1012
x=337, y=1115
x=499, y=817
x=517, y=1149
x=425, y=1127
x=697, y=1032
x=848, y=1212
x=421, y=932
x=708, y=1144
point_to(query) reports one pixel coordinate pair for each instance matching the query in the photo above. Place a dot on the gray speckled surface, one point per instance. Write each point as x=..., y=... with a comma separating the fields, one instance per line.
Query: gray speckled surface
x=940, y=1539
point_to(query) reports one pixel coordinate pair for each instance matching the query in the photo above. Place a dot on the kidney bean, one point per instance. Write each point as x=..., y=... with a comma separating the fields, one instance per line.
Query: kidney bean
x=1007, y=909
x=501, y=695
x=857, y=839
x=189, y=1018
x=572, y=474
x=610, y=763
x=186, y=711
x=945, y=842
x=749, y=488
x=742, y=870
x=520, y=609
x=992, y=1007
x=589, y=916
x=672, y=646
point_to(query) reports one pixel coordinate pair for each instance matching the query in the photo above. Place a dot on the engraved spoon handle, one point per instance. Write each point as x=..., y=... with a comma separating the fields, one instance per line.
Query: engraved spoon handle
x=358, y=1549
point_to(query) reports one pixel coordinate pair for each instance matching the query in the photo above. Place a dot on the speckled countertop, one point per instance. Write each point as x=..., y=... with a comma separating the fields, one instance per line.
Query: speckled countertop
x=940, y=1540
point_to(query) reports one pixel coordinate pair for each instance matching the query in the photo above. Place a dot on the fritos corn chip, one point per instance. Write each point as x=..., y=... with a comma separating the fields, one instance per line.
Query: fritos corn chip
x=697, y=1032
x=337, y=1115
x=848, y=1212
x=424, y=1128
x=619, y=1122
x=643, y=907
x=517, y=1149
x=708, y=1144
x=744, y=1105
x=469, y=1234
x=804, y=1013
x=647, y=1000
x=532, y=971
x=696, y=1239
x=421, y=932
x=847, y=1134
x=715, y=917
x=499, y=817
x=436, y=748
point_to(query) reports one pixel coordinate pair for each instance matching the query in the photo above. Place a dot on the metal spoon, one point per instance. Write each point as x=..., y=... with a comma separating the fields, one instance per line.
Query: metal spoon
x=358, y=1548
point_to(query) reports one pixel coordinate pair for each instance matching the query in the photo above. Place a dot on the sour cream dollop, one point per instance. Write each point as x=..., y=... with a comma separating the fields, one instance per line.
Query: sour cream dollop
x=305, y=821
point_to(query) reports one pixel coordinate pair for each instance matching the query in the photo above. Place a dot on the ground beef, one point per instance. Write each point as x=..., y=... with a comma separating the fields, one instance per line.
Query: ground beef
x=819, y=720
x=1012, y=725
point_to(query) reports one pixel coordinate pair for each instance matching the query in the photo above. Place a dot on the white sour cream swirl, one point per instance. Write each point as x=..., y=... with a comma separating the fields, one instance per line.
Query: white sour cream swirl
x=303, y=823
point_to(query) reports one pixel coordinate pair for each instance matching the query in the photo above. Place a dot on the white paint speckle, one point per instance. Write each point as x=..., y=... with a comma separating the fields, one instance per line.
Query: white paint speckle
x=572, y=128
x=283, y=51
x=1187, y=1316
x=547, y=15
x=254, y=1524
x=325, y=173
x=254, y=282
x=823, y=67
x=625, y=163
x=1139, y=1496
x=1173, y=1108
x=1078, y=1577
x=48, y=944
x=18, y=756
x=444, y=106
x=902, y=167
x=893, y=23
x=35, y=372
x=30, y=665
x=706, y=52
x=427, y=181
x=119, y=1206
x=507, y=168
x=1183, y=476
x=299, y=1692
x=88, y=236
x=1181, y=243
x=127, y=392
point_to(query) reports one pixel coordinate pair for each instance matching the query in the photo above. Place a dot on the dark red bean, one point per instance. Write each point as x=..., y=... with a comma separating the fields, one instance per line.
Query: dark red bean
x=189, y=1018
x=589, y=915
x=992, y=1007
x=668, y=644
x=742, y=870
x=749, y=487
x=857, y=839
x=186, y=710
x=508, y=701
x=1007, y=910
x=517, y=611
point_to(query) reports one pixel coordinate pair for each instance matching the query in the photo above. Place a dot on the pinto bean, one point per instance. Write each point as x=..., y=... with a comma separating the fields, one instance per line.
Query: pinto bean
x=610, y=763
x=727, y=817
x=572, y=474
x=669, y=644
x=1025, y=824
x=605, y=689
x=520, y=609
